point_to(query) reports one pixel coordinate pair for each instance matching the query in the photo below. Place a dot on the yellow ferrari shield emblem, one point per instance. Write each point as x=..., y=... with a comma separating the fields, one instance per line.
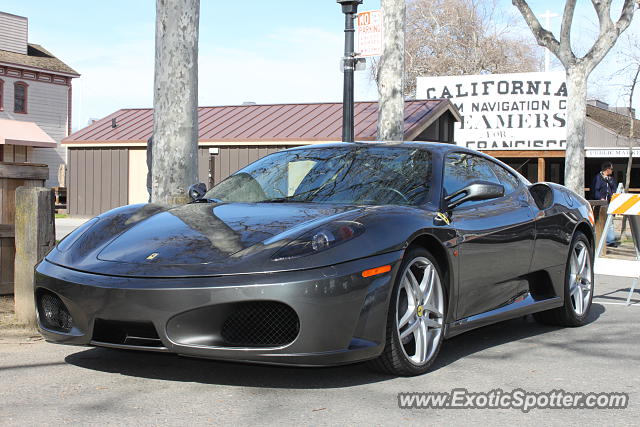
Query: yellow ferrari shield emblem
x=420, y=311
x=152, y=256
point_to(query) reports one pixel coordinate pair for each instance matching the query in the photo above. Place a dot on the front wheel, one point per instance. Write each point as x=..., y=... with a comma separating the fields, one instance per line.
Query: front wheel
x=578, y=287
x=416, y=317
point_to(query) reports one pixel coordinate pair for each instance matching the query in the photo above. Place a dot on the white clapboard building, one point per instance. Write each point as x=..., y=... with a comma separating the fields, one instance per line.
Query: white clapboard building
x=35, y=100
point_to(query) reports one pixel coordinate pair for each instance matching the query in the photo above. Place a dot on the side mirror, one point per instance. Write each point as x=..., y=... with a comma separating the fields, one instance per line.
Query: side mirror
x=542, y=194
x=197, y=191
x=479, y=190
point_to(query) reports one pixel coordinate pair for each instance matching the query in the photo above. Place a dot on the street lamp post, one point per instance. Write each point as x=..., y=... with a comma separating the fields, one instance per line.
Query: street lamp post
x=350, y=9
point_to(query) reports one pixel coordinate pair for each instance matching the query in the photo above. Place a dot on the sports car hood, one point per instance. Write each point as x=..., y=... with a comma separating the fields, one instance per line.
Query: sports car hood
x=205, y=234
x=199, y=239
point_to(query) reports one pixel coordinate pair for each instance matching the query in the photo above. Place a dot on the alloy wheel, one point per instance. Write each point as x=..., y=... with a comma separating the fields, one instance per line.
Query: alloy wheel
x=580, y=278
x=419, y=310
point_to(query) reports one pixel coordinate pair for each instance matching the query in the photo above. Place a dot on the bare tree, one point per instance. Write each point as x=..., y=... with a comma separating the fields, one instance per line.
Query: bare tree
x=629, y=59
x=578, y=70
x=453, y=37
x=391, y=71
x=175, y=101
x=634, y=82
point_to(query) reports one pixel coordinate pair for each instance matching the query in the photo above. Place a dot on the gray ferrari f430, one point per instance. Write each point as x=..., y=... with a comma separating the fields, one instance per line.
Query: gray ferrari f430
x=323, y=255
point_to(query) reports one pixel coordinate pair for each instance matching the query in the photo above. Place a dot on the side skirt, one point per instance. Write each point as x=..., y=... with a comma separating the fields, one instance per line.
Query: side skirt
x=520, y=307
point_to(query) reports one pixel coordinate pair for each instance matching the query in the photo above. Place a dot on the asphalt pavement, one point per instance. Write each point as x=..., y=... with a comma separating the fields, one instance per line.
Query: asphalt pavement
x=47, y=384
x=65, y=226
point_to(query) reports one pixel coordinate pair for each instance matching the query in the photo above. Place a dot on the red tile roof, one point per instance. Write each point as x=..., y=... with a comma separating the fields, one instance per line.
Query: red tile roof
x=264, y=123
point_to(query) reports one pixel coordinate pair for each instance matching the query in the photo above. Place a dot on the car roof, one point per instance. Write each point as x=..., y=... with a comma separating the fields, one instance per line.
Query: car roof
x=441, y=147
x=433, y=146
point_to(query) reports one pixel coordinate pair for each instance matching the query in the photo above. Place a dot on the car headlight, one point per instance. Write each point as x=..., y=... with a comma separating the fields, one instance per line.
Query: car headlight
x=320, y=239
x=73, y=237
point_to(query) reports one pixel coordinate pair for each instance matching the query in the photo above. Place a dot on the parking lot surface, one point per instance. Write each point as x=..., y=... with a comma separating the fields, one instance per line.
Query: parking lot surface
x=42, y=383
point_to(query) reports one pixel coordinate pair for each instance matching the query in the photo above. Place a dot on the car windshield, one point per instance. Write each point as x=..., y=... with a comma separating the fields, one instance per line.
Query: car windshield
x=344, y=175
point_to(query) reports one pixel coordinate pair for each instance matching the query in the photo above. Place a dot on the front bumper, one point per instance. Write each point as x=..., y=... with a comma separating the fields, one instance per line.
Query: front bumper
x=342, y=316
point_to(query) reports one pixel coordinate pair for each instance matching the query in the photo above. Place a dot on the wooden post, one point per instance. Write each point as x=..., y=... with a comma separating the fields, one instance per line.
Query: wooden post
x=12, y=176
x=35, y=237
x=541, y=169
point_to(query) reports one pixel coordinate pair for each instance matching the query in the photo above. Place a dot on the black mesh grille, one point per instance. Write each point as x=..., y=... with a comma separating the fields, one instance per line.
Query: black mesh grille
x=142, y=334
x=261, y=324
x=53, y=313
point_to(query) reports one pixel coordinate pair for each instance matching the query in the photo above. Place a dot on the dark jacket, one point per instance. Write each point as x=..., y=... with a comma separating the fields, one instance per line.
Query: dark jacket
x=602, y=188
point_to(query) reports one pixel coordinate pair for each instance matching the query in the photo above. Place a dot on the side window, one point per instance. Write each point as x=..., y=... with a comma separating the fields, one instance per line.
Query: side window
x=19, y=97
x=461, y=169
x=508, y=181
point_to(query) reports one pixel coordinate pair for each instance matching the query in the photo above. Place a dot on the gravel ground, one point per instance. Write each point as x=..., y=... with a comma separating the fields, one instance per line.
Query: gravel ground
x=10, y=330
x=46, y=384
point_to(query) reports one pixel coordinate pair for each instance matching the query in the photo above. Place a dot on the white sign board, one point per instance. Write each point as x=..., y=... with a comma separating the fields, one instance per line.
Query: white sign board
x=522, y=111
x=610, y=152
x=369, y=33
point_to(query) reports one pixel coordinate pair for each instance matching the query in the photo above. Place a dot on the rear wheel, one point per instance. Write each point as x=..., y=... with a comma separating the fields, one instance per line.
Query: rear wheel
x=416, y=317
x=578, y=287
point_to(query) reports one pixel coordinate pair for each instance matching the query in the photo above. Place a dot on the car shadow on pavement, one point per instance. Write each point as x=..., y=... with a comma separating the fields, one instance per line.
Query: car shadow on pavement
x=497, y=334
x=170, y=367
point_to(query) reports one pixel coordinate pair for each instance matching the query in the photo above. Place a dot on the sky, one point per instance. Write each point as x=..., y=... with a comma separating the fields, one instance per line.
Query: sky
x=256, y=50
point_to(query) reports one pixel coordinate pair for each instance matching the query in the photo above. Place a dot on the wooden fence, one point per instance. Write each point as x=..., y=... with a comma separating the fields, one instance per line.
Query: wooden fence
x=12, y=176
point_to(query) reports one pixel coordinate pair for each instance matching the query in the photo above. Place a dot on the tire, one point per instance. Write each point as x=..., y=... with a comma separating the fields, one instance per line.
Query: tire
x=421, y=324
x=578, y=287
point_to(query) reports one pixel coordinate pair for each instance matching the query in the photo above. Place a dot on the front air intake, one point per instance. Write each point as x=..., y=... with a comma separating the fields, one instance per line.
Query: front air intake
x=260, y=324
x=52, y=312
x=137, y=334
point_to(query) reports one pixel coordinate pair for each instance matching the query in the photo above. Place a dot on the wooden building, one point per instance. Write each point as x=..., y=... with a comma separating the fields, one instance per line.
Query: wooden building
x=35, y=88
x=35, y=114
x=606, y=139
x=107, y=159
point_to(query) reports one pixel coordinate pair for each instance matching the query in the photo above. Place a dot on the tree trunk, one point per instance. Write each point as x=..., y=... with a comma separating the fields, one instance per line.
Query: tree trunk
x=391, y=71
x=627, y=181
x=175, y=101
x=576, y=118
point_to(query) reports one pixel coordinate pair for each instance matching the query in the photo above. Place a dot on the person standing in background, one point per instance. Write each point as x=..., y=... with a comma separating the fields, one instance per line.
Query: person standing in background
x=603, y=187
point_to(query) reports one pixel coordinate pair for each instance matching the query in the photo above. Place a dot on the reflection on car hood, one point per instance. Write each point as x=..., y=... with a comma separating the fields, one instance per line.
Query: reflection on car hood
x=204, y=233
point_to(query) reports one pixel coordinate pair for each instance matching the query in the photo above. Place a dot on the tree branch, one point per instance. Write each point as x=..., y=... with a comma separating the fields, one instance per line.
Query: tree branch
x=544, y=37
x=608, y=31
x=603, y=10
x=565, y=28
x=626, y=16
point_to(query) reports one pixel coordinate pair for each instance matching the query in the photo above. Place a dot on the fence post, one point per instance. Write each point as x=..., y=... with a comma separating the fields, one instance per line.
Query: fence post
x=35, y=236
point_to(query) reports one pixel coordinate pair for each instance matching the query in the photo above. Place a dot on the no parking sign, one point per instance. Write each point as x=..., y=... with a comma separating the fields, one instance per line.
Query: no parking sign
x=369, y=34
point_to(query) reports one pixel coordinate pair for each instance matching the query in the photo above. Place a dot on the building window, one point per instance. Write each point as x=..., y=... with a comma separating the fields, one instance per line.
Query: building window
x=1, y=102
x=20, y=97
